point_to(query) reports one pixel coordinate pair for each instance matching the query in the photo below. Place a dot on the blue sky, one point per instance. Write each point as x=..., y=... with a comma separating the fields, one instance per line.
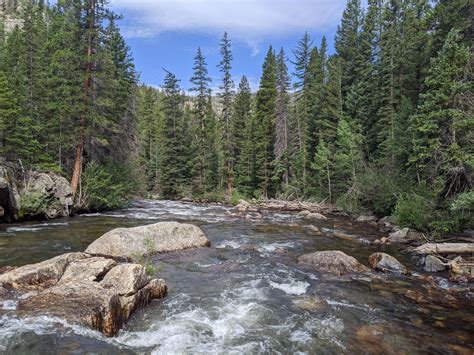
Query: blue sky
x=166, y=33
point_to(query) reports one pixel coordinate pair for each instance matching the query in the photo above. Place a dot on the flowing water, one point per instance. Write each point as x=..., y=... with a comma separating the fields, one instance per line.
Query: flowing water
x=246, y=293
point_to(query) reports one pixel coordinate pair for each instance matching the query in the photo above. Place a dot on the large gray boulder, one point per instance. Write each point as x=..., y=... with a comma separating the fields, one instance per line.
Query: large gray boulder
x=20, y=189
x=333, y=262
x=386, y=263
x=147, y=240
x=433, y=264
x=55, y=189
x=92, y=291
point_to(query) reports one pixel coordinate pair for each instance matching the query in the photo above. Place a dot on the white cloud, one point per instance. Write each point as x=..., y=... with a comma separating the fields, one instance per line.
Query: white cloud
x=248, y=21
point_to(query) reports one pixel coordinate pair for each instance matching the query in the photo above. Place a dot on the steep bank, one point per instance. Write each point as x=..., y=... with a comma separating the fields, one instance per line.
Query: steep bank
x=32, y=195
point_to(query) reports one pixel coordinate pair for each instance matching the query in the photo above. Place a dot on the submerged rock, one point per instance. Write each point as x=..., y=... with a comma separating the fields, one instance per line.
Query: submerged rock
x=363, y=218
x=386, y=263
x=147, y=240
x=315, y=216
x=310, y=303
x=83, y=289
x=433, y=264
x=333, y=261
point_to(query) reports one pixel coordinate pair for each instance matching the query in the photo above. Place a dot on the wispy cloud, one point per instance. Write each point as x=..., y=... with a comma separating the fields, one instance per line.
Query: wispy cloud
x=248, y=21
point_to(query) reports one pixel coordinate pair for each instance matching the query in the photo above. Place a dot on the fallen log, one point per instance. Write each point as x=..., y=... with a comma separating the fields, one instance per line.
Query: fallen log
x=445, y=248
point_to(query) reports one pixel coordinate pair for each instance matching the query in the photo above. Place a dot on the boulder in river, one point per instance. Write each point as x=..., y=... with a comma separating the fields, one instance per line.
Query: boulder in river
x=147, y=240
x=404, y=235
x=242, y=206
x=333, y=261
x=92, y=291
x=363, y=218
x=315, y=216
x=386, y=263
x=433, y=264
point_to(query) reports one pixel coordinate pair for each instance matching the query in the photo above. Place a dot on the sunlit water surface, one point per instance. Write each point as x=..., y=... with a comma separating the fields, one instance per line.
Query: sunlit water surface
x=244, y=294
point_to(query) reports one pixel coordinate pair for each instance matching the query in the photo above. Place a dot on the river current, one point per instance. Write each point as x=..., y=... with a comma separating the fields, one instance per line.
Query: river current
x=246, y=293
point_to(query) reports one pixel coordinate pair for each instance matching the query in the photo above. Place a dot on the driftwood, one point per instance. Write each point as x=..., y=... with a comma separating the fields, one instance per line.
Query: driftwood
x=445, y=248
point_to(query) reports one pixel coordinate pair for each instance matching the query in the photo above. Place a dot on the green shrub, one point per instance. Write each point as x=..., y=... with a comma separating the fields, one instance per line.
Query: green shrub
x=416, y=211
x=349, y=203
x=33, y=203
x=377, y=191
x=236, y=196
x=105, y=187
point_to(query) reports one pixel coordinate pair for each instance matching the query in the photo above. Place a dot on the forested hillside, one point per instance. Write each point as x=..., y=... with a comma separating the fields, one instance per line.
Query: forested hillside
x=384, y=124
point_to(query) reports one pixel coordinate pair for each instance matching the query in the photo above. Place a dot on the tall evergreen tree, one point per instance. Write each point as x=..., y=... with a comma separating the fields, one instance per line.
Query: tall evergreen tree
x=173, y=162
x=347, y=42
x=299, y=124
x=282, y=139
x=265, y=118
x=241, y=121
x=202, y=132
x=442, y=127
x=226, y=95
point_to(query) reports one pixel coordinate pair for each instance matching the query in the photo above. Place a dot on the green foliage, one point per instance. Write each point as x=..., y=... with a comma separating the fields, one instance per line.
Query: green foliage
x=146, y=260
x=105, y=187
x=414, y=210
x=33, y=203
x=377, y=191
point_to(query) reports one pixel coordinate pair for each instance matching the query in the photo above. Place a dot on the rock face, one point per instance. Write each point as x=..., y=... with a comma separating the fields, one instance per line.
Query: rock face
x=92, y=291
x=9, y=197
x=333, y=261
x=146, y=240
x=56, y=190
x=18, y=186
x=386, y=263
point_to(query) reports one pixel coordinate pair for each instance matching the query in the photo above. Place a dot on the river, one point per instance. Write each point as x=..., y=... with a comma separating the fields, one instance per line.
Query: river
x=246, y=293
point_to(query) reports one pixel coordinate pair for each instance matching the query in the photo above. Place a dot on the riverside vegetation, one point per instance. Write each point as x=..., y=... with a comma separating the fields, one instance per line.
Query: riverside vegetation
x=384, y=124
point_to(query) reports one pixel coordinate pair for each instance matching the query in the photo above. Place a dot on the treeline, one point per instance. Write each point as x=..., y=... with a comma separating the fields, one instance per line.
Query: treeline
x=384, y=124
x=67, y=96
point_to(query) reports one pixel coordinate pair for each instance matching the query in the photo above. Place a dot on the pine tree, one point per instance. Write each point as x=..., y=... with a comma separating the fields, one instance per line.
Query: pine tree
x=347, y=42
x=442, y=126
x=173, y=162
x=63, y=80
x=299, y=124
x=265, y=118
x=149, y=128
x=226, y=94
x=95, y=12
x=241, y=120
x=282, y=139
x=201, y=82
